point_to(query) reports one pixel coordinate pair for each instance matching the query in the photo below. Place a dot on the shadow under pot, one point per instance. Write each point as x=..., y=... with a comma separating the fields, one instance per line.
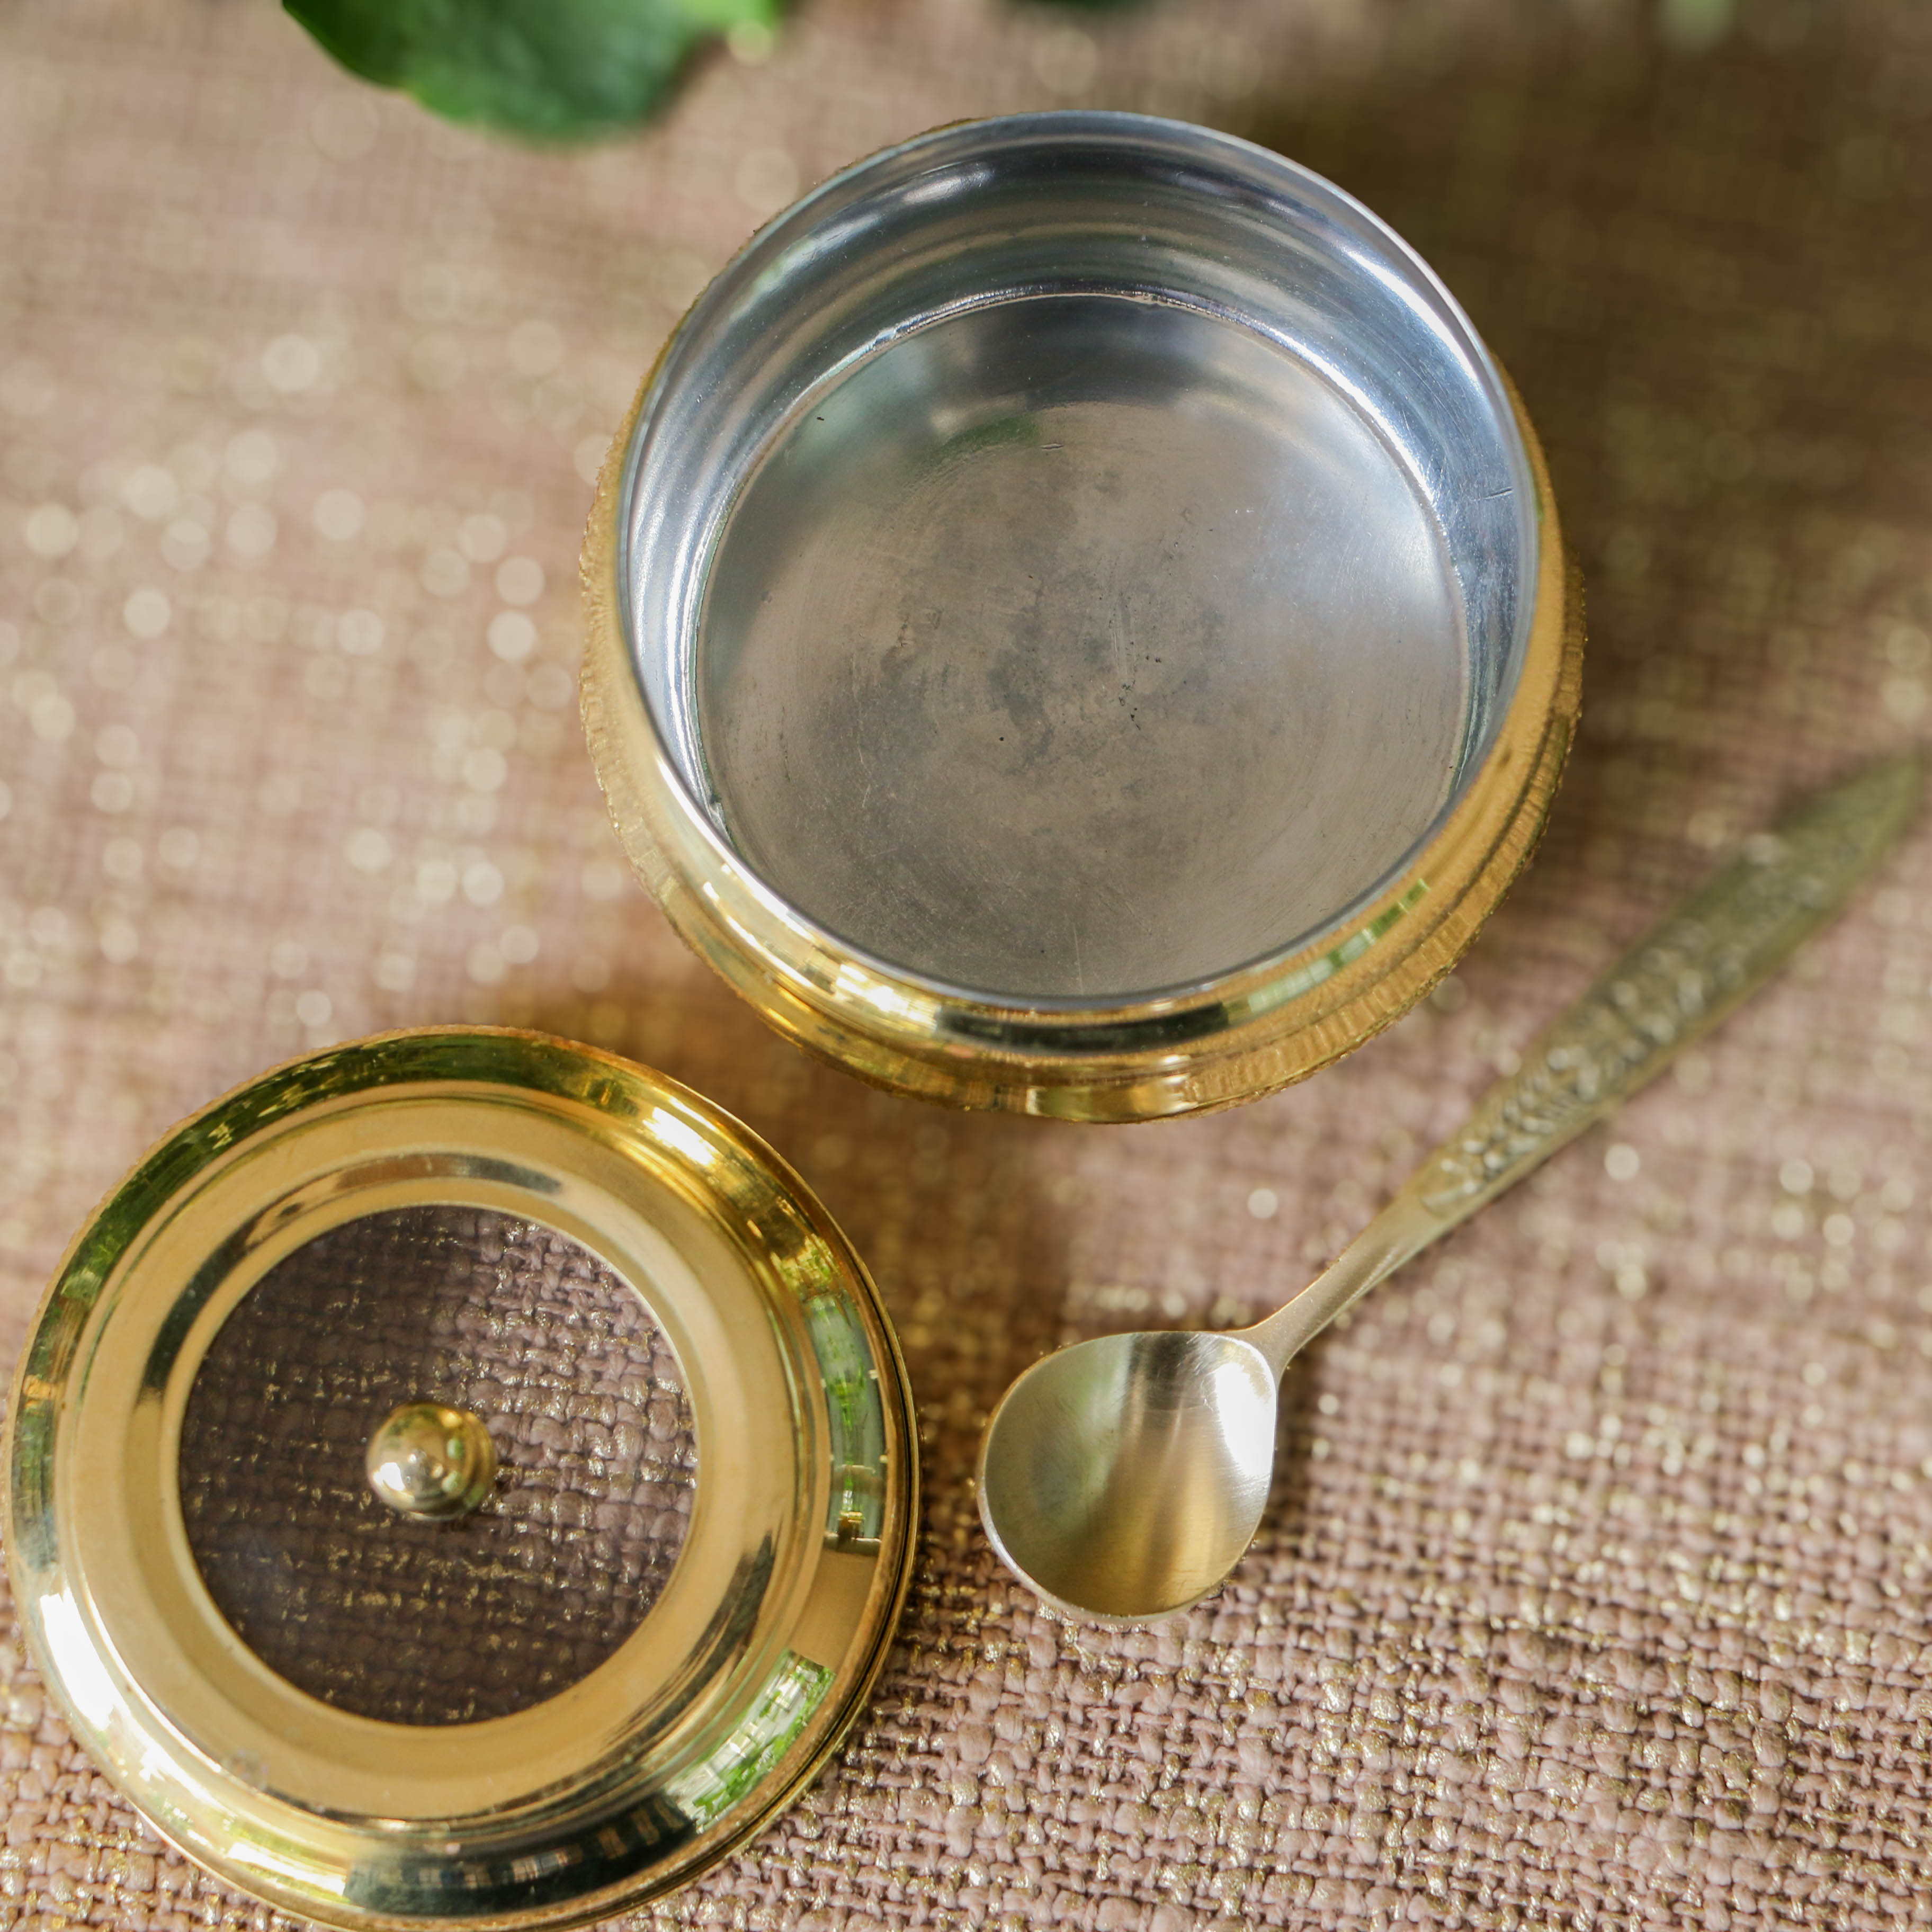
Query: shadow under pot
x=1078, y=621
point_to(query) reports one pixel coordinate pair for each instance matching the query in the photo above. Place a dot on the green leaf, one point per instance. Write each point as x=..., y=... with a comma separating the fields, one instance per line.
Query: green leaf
x=550, y=70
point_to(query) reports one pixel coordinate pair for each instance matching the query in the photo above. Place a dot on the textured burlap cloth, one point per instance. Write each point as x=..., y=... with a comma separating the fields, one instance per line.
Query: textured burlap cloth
x=1593, y=1593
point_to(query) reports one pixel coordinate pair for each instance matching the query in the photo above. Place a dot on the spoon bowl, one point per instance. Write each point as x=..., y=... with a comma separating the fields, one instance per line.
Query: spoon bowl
x=1122, y=1479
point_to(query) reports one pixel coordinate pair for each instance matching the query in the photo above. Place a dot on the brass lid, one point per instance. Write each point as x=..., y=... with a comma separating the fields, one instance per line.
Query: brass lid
x=196, y=1509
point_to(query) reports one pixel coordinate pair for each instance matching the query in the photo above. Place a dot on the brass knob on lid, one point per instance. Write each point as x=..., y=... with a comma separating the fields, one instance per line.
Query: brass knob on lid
x=431, y=1461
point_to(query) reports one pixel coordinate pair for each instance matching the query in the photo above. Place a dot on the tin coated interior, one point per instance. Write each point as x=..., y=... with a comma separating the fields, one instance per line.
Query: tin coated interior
x=748, y=1666
x=1078, y=621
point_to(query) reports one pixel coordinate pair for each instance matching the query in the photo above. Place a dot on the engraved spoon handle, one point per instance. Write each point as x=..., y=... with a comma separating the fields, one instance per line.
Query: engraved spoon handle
x=1716, y=949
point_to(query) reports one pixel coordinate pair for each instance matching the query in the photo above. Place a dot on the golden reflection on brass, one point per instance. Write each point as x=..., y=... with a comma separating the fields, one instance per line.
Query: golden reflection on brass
x=702, y=1725
x=430, y=1461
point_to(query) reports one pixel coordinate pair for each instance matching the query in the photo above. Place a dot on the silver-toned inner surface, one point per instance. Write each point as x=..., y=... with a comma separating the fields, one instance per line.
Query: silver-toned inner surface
x=422, y=1622
x=1349, y=414
x=1079, y=646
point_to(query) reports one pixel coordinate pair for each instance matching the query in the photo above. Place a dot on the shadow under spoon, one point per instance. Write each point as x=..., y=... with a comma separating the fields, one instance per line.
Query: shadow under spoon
x=1122, y=1479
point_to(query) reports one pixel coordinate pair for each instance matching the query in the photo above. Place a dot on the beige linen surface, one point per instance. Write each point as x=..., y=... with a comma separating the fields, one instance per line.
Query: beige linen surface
x=1593, y=1592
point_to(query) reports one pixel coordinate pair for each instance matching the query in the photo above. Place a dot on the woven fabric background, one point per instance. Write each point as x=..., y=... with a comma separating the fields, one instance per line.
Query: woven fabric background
x=1594, y=1591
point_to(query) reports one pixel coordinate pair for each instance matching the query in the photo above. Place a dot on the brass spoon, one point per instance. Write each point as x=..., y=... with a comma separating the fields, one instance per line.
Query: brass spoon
x=1123, y=1478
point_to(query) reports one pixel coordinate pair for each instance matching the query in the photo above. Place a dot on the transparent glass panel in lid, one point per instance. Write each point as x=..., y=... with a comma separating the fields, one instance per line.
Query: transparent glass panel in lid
x=420, y=1620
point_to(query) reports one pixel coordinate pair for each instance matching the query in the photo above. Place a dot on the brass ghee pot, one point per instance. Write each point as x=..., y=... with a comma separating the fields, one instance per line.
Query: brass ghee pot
x=1017, y=660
